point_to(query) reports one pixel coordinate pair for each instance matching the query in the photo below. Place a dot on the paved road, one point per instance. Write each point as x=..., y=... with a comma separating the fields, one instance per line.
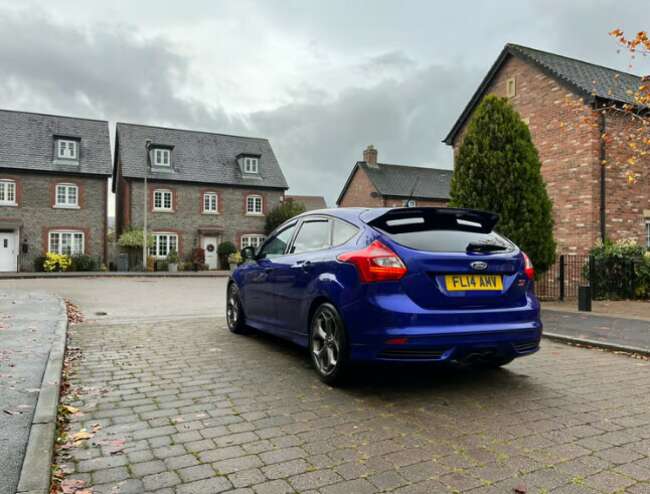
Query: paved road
x=201, y=410
x=135, y=298
x=204, y=411
x=27, y=323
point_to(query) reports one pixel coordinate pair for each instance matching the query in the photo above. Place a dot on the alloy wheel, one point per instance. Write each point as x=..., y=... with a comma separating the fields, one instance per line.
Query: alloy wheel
x=326, y=341
x=232, y=310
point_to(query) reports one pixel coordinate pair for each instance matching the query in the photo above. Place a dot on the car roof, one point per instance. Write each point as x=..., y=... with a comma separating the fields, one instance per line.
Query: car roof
x=349, y=214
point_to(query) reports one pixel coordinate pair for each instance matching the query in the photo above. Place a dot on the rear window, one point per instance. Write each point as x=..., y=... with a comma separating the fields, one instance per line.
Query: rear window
x=449, y=240
x=443, y=230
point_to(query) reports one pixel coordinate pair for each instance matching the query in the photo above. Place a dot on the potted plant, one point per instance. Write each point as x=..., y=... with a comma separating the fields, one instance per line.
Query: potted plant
x=172, y=261
x=198, y=258
x=234, y=260
x=225, y=249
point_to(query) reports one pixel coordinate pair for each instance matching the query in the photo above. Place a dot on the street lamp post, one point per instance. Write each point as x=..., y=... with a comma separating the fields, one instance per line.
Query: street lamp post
x=146, y=193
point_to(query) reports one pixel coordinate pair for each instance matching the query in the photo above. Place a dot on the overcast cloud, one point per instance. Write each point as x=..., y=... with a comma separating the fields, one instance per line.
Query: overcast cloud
x=321, y=79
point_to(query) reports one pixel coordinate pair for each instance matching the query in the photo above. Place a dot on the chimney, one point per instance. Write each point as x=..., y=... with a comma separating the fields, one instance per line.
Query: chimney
x=370, y=156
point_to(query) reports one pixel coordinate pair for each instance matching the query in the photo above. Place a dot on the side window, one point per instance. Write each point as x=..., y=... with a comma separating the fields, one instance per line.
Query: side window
x=277, y=244
x=343, y=231
x=313, y=235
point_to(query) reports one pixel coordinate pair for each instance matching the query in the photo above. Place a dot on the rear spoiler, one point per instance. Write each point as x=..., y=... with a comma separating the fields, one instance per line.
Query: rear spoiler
x=400, y=220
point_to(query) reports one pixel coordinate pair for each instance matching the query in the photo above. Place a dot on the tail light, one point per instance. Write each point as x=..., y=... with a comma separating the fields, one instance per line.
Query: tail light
x=529, y=270
x=375, y=263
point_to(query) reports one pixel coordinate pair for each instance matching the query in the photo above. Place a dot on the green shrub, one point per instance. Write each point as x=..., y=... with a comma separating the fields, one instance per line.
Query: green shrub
x=173, y=257
x=287, y=209
x=620, y=270
x=133, y=239
x=38, y=264
x=56, y=262
x=226, y=248
x=83, y=262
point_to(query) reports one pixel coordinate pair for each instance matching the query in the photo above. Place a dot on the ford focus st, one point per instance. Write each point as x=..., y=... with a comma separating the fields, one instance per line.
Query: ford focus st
x=389, y=285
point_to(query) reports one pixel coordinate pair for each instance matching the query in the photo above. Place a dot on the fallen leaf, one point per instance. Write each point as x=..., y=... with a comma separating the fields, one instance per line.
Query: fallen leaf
x=70, y=409
x=72, y=486
x=520, y=489
x=82, y=435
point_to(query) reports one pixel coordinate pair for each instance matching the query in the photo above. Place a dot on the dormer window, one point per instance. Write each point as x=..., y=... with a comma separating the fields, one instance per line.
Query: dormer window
x=67, y=149
x=251, y=165
x=162, y=157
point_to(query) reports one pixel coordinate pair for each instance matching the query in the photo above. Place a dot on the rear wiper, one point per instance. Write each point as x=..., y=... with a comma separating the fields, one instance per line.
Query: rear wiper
x=477, y=247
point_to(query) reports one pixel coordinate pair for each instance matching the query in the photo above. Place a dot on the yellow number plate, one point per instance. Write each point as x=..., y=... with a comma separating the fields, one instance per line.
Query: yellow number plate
x=464, y=282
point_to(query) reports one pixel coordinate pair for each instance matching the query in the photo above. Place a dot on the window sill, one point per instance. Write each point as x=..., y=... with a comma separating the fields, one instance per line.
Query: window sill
x=254, y=214
x=162, y=211
x=62, y=206
x=9, y=204
x=66, y=161
x=210, y=213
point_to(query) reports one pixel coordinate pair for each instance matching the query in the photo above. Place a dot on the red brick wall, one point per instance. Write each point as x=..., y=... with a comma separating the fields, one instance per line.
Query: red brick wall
x=359, y=190
x=396, y=202
x=625, y=201
x=568, y=149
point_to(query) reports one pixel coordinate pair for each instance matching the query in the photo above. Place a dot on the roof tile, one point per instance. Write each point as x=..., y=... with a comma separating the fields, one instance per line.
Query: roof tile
x=200, y=157
x=27, y=142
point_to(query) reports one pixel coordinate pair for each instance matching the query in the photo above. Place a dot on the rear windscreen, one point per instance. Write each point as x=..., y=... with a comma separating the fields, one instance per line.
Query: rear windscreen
x=443, y=230
x=449, y=240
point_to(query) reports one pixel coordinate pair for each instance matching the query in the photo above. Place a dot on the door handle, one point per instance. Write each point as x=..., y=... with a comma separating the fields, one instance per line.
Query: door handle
x=304, y=264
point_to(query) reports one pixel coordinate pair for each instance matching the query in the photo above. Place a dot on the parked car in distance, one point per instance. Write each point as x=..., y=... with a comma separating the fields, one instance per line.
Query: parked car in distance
x=400, y=284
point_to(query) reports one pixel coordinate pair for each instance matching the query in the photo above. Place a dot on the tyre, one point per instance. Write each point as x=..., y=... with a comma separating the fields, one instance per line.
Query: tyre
x=234, y=311
x=328, y=345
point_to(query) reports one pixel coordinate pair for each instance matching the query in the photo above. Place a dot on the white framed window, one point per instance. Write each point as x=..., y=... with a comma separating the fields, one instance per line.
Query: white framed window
x=647, y=234
x=251, y=165
x=162, y=200
x=252, y=240
x=66, y=242
x=163, y=244
x=210, y=202
x=7, y=193
x=254, y=204
x=67, y=149
x=511, y=87
x=162, y=157
x=67, y=196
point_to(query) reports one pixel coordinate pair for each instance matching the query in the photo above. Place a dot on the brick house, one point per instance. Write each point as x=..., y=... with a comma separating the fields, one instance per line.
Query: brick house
x=311, y=203
x=374, y=184
x=53, y=187
x=203, y=188
x=561, y=99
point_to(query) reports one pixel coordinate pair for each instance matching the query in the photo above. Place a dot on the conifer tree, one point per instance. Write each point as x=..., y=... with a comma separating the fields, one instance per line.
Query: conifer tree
x=498, y=169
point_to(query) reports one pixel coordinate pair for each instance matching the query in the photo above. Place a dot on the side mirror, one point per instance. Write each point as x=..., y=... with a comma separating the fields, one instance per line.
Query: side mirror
x=248, y=253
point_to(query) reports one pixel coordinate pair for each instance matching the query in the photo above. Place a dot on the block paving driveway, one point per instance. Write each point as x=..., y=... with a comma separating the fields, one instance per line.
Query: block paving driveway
x=204, y=411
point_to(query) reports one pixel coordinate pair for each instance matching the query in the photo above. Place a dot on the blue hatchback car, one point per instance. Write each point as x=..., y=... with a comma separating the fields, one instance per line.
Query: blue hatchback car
x=389, y=284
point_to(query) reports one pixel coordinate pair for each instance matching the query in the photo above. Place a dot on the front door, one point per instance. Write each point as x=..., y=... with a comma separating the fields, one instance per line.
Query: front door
x=209, y=245
x=8, y=255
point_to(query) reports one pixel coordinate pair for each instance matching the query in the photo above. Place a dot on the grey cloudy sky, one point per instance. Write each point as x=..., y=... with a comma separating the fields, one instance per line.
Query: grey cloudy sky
x=321, y=79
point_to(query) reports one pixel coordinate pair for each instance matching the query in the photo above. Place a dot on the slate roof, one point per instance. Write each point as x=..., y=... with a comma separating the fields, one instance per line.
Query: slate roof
x=200, y=157
x=27, y=143
x=586, y=79
x=311, y=203
x=405, y=181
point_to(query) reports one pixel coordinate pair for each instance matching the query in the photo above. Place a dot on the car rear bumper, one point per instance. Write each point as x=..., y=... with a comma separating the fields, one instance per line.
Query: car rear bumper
x=380, y=332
